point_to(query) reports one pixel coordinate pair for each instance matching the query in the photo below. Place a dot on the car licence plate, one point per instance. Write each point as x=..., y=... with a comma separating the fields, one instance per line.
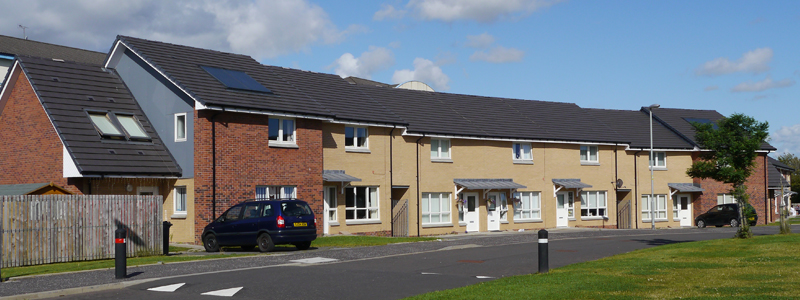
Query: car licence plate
x=300, y=224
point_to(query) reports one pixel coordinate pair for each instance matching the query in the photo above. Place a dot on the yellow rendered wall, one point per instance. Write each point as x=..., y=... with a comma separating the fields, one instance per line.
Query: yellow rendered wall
x=677, y=164
x=182, y=230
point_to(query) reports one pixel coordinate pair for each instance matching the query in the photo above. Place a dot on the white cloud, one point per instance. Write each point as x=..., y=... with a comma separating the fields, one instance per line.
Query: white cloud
x=756, y=61
x=260, y=28
x=763, y=85
x=479, y=41
x=373, y=60
x=787, y=139
x=498, y=55
x=711, y=88
x=425, y=71
x=485, y=11
x=388, y=12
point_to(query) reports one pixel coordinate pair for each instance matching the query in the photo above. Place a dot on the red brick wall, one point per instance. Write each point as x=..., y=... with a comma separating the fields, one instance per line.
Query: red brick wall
x=756, y=188
x=245, y=160
x=31, y=149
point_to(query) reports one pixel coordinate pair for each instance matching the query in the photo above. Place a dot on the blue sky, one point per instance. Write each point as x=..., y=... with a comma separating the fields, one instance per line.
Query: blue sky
x=730, y=56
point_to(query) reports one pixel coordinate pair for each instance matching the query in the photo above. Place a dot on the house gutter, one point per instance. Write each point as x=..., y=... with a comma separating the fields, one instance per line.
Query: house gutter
x=419, y=226
x=636, y=188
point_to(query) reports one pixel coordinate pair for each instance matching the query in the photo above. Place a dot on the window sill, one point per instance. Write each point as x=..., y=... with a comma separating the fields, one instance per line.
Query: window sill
x=357, y=150
x=657, y=220
x=437, y=225
x=282, y=145
x=589, y=163
x=503, y=222
x=593, y=218
x=181, y=140
x=658, y=168
x=462, y=223
x=528, y=221
x=441, y=160
x=333, y=223
x=523, y=162
x=572, y=219
x=178, y=216
x=358, y=222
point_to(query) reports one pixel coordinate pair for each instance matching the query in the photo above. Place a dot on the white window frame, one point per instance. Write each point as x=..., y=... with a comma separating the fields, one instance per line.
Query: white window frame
x=176, y=199
x=460, y=204
x=371, y=208
x=725, y=199
x=588, y=150
x=178, y=128
x=355, y=147
x=660, y=162
x=660, y=209
x=503, y=208
x=428, y=210
x=279, y=141
x=534, y=206
x=520, y=157
x=438, y=154
x=280, y=191
x=333, y=212
x=593, y=211
x=675, y=206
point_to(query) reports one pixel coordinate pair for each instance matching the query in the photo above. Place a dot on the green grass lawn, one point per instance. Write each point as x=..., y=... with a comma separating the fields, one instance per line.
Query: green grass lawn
x=332, y=241
x=765, y=267
x=795, y=220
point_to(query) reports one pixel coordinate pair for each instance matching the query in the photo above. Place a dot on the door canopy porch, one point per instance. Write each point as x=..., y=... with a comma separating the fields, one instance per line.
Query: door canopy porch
x=684, y=188
x=571, y=183
x=486, y=185
x=338, y=176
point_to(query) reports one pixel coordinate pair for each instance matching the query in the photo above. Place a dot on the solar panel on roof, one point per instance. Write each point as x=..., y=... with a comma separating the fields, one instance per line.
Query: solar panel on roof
x=701, y=121
x=236, y=80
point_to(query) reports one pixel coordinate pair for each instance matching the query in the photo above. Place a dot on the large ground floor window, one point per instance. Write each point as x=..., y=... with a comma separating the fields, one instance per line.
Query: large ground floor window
x=593, y=204
x=435, y=208
x=361, y=203
x=527, y=206
x=660, y=207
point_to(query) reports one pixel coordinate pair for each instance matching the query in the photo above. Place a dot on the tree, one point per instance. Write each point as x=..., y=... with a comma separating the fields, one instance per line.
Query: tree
x=733, y=143
x=794, y=162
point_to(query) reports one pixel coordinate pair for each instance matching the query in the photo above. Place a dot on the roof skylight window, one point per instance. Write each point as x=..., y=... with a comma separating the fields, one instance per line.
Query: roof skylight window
x=237, y=80
x=132, y=127
x=102, y=122
x=118, y=126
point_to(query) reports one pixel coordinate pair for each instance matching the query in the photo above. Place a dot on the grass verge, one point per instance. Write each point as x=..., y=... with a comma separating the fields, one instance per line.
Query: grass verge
x=764, y=267
x=795, y=220
x=330, y=241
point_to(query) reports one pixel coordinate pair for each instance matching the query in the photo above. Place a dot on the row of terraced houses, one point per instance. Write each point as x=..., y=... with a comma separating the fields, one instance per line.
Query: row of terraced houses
x=209, y=129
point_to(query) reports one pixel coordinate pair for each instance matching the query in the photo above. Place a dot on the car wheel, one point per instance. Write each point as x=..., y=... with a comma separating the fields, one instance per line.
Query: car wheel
x=701, y=224
x=734, y=223
x=210, y=243
x=248, y=247
x=265, y=243
x=303, y=245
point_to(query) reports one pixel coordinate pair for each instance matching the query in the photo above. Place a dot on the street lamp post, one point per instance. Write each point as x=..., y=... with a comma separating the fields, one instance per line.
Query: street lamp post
x=652, y=164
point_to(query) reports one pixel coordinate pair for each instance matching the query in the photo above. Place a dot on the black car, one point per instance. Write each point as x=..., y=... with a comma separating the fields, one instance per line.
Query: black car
x=725, y=214
x=263, y=224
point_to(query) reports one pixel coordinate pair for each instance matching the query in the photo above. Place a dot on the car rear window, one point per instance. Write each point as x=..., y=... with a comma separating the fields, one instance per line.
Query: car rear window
x=295, y=209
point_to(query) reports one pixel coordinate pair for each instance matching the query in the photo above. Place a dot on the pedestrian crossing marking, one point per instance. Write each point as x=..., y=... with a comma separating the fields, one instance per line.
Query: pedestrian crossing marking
x=167, y=288
x=314, y=260
x=224, y=293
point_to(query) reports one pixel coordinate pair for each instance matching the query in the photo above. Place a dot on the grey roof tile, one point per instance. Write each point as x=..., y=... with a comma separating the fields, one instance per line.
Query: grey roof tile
x=21, y=189
x=635, y=127
x=676, y=119
x=17, y=46
x=66, y=102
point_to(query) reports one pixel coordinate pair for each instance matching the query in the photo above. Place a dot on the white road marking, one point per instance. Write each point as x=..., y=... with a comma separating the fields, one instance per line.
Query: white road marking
x=167, y=288
x=484, y=277
x=224, y=293
x=314, y=260
x=426, y=273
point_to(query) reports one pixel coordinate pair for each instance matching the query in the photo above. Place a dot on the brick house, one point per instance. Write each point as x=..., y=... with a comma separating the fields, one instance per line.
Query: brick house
x=77, y=126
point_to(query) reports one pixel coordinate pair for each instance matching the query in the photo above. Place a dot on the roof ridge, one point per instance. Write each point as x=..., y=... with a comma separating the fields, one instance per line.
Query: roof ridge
x=123, y=37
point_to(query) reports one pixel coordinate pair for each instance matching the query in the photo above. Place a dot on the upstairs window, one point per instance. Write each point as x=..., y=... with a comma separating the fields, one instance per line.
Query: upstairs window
x=355, y=137
x=659, y=160
x=118, y=126
x=522, y=152
x=589, y=154
x=440, y=149
x=281, y=131
x=180, y=127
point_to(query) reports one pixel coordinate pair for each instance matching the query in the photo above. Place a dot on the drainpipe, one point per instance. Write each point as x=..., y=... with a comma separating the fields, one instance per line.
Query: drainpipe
x=214, y=164
x=636, y=189
x=391, y=178
x=616, y=179
x=766, y=194
x=419, y=196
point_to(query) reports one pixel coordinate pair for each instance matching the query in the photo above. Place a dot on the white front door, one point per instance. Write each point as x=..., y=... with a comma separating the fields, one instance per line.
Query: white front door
x=471, y=212
x=493, y=215
x=329, y=213
x=685, y=210
x=564, y=208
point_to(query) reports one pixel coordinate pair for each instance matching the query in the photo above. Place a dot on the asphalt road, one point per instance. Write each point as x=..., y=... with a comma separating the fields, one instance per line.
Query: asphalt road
x=400, y=270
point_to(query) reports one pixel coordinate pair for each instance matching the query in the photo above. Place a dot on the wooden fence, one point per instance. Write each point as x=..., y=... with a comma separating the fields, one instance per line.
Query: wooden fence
x=60, y=228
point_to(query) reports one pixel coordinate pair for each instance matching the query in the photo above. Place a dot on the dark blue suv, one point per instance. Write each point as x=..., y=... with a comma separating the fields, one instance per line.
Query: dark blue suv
x=263, y=224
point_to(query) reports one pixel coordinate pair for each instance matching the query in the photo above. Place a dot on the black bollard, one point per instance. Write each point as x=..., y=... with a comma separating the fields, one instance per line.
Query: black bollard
x=167, y=225
x=120, y=254
x=544, y=266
